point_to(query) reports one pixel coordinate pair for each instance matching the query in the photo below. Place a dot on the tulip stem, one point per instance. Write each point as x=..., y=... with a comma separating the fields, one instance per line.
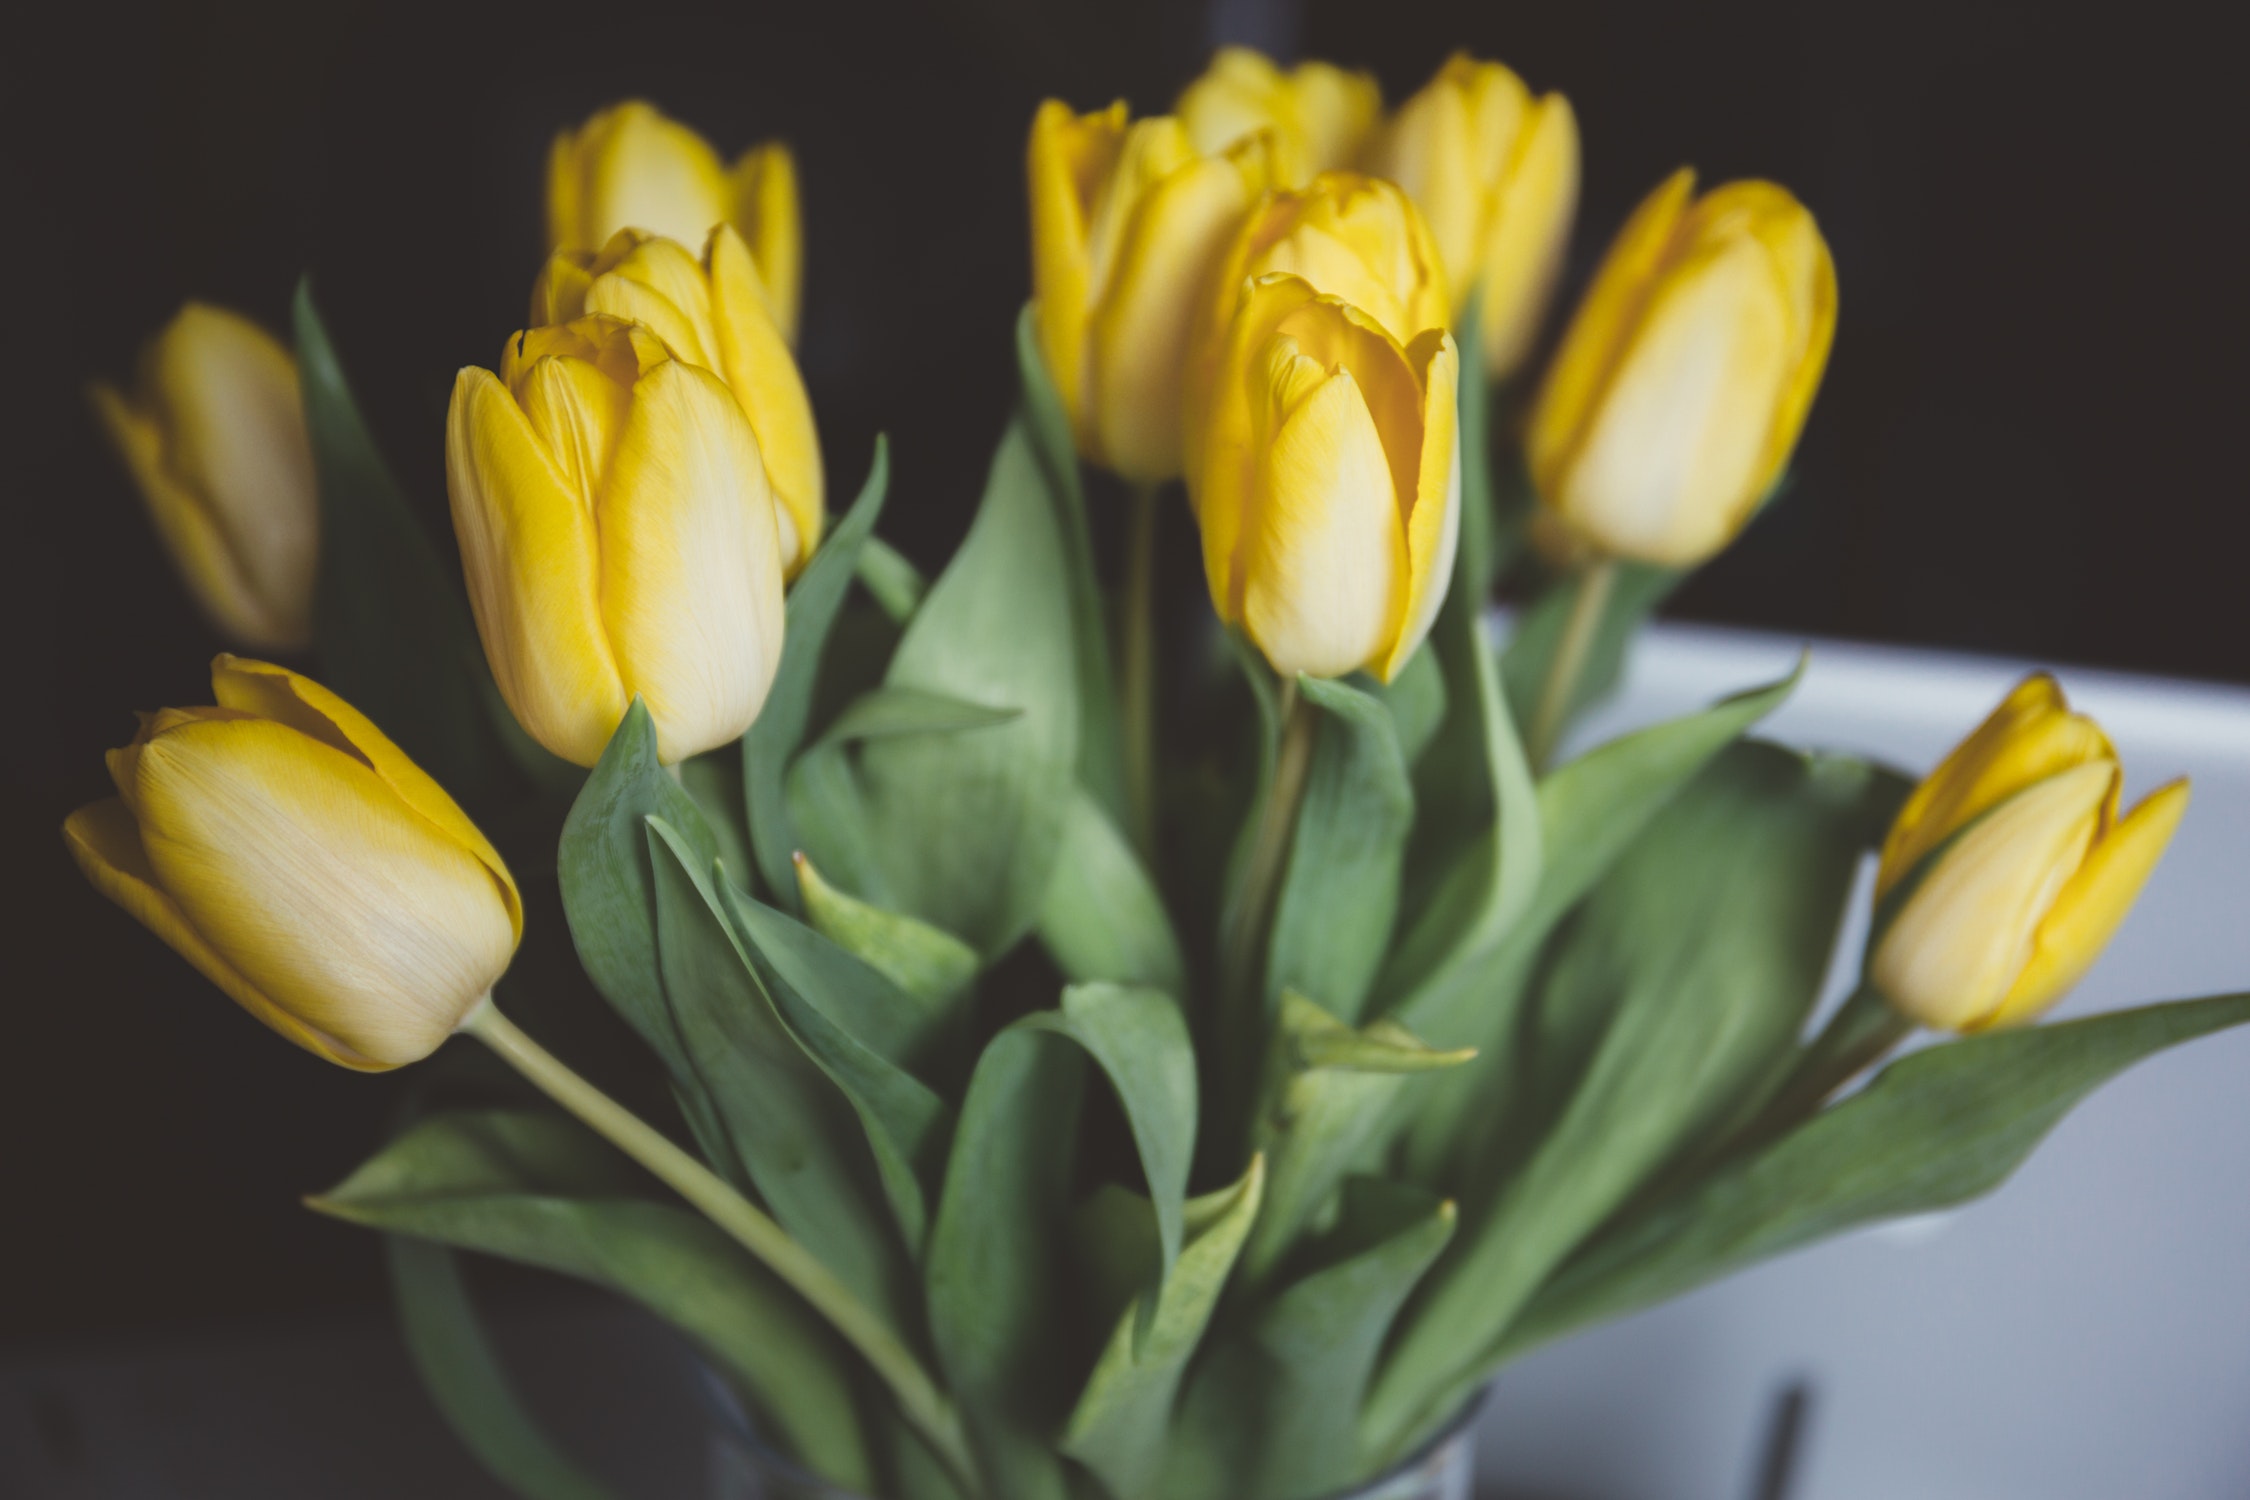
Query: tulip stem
x=918, y=1396
x=1589, y=601
x=1269, y=848
x=1137, y=689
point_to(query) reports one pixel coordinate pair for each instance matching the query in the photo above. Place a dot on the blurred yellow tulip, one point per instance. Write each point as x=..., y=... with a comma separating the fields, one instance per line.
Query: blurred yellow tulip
x=1329, y=493
x=1320, y=116
x=1495, y=171
x=1127, y=221
x=289, y=851
x=2009, y=870
x=632, y=167
x=214, y=434
x=1681, y=385
x=619, y=537
x=1358, y=239
x=710, y=313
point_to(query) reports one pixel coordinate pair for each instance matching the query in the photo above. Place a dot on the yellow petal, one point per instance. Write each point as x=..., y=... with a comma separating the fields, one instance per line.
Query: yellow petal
x=641, y=170
x=691, y=562
x=530, y=554
x=1965, y=936
x=106, y=843
x=1433, y=525
x=2031, y=736
x=1318, y=113
x=2093, y=905
x=755, y=361
x=659, y=283
x=1068, y=159
x=566, y=199
x=767, y=213
x=1528, y=235
x=326, y=893
x=1324, y=565
x=291, y=698
x=1225, y=482
x=559, y=294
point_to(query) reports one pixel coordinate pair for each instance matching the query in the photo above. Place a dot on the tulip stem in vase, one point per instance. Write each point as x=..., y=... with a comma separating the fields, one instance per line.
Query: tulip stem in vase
x=1588, y=601
x=918, y=1396
x=1138, y=687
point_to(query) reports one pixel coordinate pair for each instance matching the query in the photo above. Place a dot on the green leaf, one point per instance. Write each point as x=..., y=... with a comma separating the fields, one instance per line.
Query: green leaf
x=1417, y=699
x=829, y=808
x=1936, y=1128
x=1101, y=766
x=1103, y=917
x=967, y=827
x=1691, y=970
x=1478, y=560
x=1120, y=1425
x=933, y=966
x=792, y=1128
x=1141, y=1041
x=392, y=628
x=539, y=1189
x=1338, y=900
x=891, y=580
x=780, y=728
x=1539, y=629
x=464, y=1376
x=891, y=711
x=714, y=781
x=995, y=1300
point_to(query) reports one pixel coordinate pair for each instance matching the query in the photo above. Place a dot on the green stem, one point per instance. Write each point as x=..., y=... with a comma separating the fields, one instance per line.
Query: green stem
x=1137, y=688
x=1587, y=605
x=1853, y=1041
x=1269, y=848
x=918, y=1396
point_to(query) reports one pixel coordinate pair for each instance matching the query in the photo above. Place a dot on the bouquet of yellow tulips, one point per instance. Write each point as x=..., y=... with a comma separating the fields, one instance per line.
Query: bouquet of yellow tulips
x=1089, y=1050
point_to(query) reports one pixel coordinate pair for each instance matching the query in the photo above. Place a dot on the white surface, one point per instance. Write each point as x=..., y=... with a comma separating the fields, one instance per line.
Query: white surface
x=2084, y=1333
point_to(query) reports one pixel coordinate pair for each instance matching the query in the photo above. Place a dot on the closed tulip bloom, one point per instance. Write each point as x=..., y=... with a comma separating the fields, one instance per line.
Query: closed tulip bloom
x=1685, y=376
x=631, y=167
x=214, y=435
x=289, y=851
x=710, y=313
x=1319, y=115
x=1495, y=171
x=1356, y=238
x=2009, y=869
x=1127, y=221
x=619, y=538
x=1329, y=496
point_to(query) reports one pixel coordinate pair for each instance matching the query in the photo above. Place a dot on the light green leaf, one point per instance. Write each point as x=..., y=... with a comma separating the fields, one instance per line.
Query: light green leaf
x=890, y=711
x=539, y=1189
x=933, y=966
x=967, y=827
x=829, y=810
x=1418, y=701
x=1104, y=918
x=771, y=742
x=891, y=580
x=1120, y=1426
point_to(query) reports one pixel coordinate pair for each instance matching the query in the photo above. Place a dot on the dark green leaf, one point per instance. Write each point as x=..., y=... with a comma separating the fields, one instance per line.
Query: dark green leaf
x=714, y=781
x=1417, y=701
x=895, y=710
x=1104, y=917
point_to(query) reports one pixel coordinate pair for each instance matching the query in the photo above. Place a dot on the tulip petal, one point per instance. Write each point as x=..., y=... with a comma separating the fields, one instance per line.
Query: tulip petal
x=659, y=283
x=291, y=698
x=531, y=558
x=106, y=843
x=1225, y=483
x=644, y=171
x=1966, y=935
x=1324, y=566
x=691, y=561
x=1067, y=160
x=755, y=361
x=766, y=211
x=1433, y=525
x=1431, y=150
x=1529, y=232
x=2093, y=905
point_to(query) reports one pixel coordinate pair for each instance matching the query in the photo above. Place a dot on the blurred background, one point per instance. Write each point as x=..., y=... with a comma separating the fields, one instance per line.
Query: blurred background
x=2028, y=442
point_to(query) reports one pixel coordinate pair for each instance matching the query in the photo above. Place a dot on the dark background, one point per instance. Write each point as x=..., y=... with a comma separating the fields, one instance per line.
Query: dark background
x=2029, y=441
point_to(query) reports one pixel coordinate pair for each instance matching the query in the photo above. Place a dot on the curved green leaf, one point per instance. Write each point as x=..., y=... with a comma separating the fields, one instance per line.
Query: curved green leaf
x=1104, y=917
x=932, y=965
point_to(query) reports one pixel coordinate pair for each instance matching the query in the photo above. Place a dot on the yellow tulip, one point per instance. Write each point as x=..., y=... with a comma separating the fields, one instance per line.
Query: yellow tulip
x=1320, y=116
x=289, y=851
x=1329, y=495
x=1681, y=385
x=709, y=313
x=1358, y=239
x=619, y=539
x=214, y=434
x=1495, y=171
x=631, y=167
x=2009, y=870
x=1127, y=220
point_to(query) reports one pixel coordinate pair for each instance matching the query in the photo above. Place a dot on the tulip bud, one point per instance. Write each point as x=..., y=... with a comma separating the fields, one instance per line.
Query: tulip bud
x=1329, y=495
x=631, y=167
x=1319, y=115
x=712, y=314
x=2008, y=870
x=619, y=539
x=1495, y=172
x=289, y=851
x=214, y=434
x=1127, y=221
x=1355, y=238
x=1680, y=387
